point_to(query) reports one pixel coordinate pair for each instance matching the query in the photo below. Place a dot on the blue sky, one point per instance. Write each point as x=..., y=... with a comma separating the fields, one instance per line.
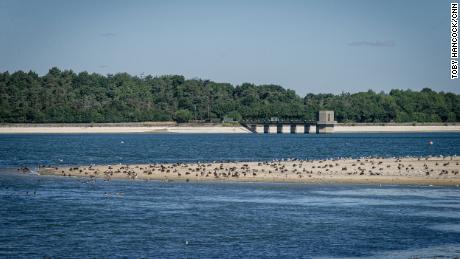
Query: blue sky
x=309, y=46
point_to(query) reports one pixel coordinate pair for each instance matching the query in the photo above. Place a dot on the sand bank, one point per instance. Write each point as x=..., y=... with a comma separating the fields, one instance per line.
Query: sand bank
x=419, y=171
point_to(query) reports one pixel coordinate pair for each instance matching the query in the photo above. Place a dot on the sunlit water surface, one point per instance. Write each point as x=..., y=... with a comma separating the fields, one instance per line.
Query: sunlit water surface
x=71, y=217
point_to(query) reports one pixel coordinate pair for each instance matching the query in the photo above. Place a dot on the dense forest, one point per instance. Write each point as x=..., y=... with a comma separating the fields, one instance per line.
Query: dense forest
x=64, y=96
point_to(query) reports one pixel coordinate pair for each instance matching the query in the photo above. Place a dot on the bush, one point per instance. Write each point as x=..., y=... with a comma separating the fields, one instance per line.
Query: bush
x=183, y=116
x=236, y=116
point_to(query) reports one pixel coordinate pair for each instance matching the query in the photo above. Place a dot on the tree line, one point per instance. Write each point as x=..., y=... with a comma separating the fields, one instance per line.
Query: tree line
x=65, y=96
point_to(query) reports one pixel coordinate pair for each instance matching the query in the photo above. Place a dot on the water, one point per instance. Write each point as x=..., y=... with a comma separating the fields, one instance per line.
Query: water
x=62, y=217
x=32, y=150
x=71, y=217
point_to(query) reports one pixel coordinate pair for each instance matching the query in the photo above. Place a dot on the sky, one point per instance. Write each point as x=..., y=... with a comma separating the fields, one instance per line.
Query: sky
x=308, y=46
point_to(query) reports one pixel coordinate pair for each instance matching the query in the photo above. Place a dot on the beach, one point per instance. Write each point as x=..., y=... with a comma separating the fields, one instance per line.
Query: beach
x=114, y=128
x=395, y=127
x=408, y=170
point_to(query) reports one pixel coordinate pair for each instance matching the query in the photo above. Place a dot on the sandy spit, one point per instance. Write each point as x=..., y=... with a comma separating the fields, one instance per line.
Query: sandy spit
x=407, y=170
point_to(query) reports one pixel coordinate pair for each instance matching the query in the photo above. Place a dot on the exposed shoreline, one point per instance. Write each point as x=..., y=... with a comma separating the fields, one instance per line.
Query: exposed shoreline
x=125, y=128
x=403, y=171
x=171, y=127
x=396, y=128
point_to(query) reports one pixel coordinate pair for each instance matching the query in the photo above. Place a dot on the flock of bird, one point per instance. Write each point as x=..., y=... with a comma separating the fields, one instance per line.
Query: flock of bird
x=275, y=169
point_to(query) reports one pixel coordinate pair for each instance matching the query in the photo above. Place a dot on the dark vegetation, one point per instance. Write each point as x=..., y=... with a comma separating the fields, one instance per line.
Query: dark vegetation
x=64, y=96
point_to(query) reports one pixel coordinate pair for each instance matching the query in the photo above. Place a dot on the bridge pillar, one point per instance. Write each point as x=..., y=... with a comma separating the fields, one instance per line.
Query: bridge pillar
x=279, y=128
x=293, y=128
x=266, y=128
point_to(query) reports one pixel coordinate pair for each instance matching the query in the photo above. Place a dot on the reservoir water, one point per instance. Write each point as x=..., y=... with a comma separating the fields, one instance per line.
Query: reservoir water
x=75, y=149
x=62, y=217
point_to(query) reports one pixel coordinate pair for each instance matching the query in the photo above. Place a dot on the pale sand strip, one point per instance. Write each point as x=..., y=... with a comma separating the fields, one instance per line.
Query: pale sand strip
x=420, y=171
x=214, y=129
x=164, y=129
x=207, y=129
x=396, y=128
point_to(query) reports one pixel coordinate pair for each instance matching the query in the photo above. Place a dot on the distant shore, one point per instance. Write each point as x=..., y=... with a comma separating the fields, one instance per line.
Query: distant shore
x=408, y=170
x=395, y=127
x=135, y=127
x=172, y=127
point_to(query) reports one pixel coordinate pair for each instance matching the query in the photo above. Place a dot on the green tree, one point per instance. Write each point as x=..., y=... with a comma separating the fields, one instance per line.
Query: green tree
x=234, y=115
x=183, y=116
x=63, y=96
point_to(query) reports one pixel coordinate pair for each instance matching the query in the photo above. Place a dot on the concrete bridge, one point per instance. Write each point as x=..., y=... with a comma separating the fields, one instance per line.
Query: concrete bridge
x=324, y=124
x=275, y=127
